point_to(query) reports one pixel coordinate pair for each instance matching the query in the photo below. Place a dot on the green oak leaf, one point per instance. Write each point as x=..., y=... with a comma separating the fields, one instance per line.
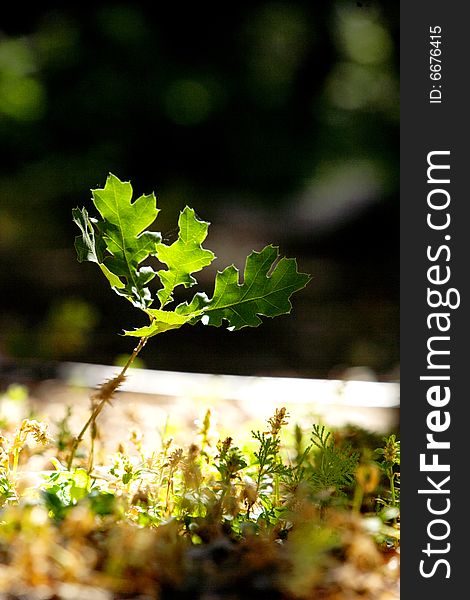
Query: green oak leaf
x=267, y=286
x=266, y=289
x=90, y=248
x=87, y=246
x=122, y=233
x=161, y=320
x=183, y=257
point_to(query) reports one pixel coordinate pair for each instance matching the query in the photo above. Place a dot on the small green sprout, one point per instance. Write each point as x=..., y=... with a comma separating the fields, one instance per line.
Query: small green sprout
x=120, y=242
x=390, y=465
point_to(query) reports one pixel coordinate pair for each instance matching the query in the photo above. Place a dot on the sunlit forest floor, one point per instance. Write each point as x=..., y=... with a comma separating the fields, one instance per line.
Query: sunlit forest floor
x=194, y=497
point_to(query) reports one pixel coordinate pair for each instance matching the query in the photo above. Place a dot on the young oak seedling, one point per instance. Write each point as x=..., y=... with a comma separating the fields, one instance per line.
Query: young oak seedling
x=119, y=243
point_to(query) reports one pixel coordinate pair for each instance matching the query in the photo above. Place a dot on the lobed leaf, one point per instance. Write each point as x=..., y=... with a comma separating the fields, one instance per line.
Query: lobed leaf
x=120, y=239
x=90, y=248
x=161, y=320
x=266, y=289
x=183, y=257
x=123, y=232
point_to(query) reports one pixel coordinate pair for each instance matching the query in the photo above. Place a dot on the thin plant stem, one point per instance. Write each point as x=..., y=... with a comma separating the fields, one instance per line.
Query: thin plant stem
x=103, y=396
x=358, y=498
x=391, y=478
x=16, y=457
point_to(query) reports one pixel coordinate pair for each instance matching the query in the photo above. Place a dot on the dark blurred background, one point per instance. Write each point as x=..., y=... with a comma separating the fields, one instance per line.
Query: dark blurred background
x=277, y=121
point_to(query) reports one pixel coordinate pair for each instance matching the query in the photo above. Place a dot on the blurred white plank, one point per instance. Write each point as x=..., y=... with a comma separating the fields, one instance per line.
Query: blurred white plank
x=365, y=394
